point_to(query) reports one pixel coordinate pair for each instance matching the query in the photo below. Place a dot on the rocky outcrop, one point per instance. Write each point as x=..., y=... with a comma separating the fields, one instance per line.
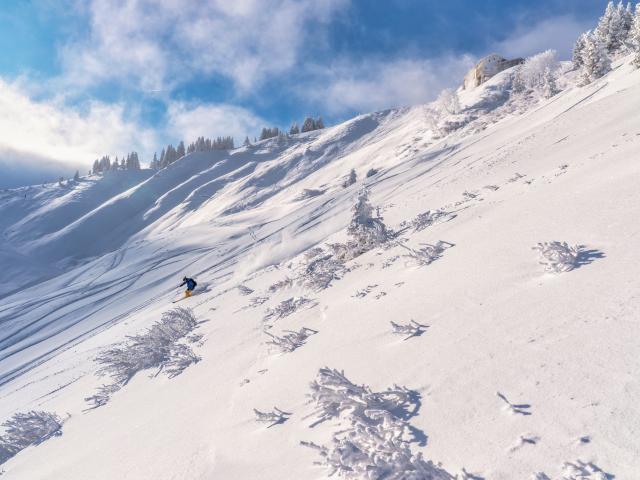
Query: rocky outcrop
x=486, y=68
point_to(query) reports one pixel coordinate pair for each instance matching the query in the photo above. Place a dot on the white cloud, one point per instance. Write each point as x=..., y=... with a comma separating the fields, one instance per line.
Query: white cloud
x=157, y=45
x=379, y=84
x=191, y=121
x=52, y=130
x=557, y=33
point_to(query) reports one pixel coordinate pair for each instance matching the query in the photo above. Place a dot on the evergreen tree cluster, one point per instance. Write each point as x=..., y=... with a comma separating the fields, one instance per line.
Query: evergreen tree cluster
x=104, y=164
x=170, y=154
x=269, y=133
x=617, y=33
x=311, y=124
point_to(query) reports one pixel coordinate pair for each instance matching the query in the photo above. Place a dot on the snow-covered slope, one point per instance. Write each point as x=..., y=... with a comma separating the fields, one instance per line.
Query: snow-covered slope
x=516, y=371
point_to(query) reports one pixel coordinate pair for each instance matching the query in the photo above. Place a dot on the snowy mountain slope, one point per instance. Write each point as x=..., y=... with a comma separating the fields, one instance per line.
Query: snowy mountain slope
x=518, y=370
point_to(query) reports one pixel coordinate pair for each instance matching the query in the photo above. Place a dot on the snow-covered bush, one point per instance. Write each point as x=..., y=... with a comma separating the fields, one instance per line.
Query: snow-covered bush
x=367, y=230
x=274, y=417
x=411, y=329
x=559, y=257
x=428, y=253
x=537, y=69
x=244, y=290
x=448, y=101
x=280, y=285
x=374, y=442
x=25, y=429
x=431, y=217
x=287, y=307
x=350, y=179
x=371, y=172
x=318, y=269
x=291, y=340
x=580, y=470
x=159, y=347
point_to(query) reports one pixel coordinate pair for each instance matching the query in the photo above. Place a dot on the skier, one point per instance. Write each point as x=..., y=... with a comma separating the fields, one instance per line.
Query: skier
x=191, y=285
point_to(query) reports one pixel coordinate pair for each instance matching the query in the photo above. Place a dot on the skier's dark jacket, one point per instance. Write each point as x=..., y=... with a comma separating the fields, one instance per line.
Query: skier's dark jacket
x=190, y=283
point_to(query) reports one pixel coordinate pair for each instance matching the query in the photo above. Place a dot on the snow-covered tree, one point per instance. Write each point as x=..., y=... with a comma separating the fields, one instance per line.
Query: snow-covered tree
x=534, y=69
x=76, y=177
x=246, y=142
x=294, y=129
x=549, y=87
x=448, y=101
x=350, y=179
x=595, y=60
x=578, y=51
x=634, y=37
x=367, y=228
x=319, y=124
x=612, y=27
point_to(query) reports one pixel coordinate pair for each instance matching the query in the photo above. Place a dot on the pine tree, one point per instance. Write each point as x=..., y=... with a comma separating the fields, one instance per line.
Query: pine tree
x=319, y=124
x=634, y=37
x=294, y=129
x=549, y=88
x=308, y=125
x=611, y=27
x=578, y=50
x=246, y=142
x=595, y=60
x=76, y=177
x=180, y=151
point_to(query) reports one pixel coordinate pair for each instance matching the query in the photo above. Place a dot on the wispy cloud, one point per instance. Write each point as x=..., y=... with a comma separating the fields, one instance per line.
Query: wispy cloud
x=382, y=83
x=556, y=33
x=157, y=45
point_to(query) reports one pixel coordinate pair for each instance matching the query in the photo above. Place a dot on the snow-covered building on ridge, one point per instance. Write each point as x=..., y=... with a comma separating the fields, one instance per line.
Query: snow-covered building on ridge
x=486, y=68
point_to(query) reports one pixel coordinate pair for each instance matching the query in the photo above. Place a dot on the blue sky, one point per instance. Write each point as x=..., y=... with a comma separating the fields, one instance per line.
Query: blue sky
x=81, y=78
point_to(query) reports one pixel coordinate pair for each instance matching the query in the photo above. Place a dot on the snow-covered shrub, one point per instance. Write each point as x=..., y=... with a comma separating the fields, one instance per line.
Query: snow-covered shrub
x=535, y=68
x=411, y=329
x=287, y=307
x=244, y=290
x=371, y=172
x=374, y=443
x=291, y=340
x=431, y=217
x=333, y=393
x=428, y=253
x=580, y=470
x=280, y=285
x=25, y=429
x=159, y=347
x=309, y=193
x=367, y=230
x=559, y=257
x=274, y=417
x=350, y=179
x=318, y=269
x=448, y=101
